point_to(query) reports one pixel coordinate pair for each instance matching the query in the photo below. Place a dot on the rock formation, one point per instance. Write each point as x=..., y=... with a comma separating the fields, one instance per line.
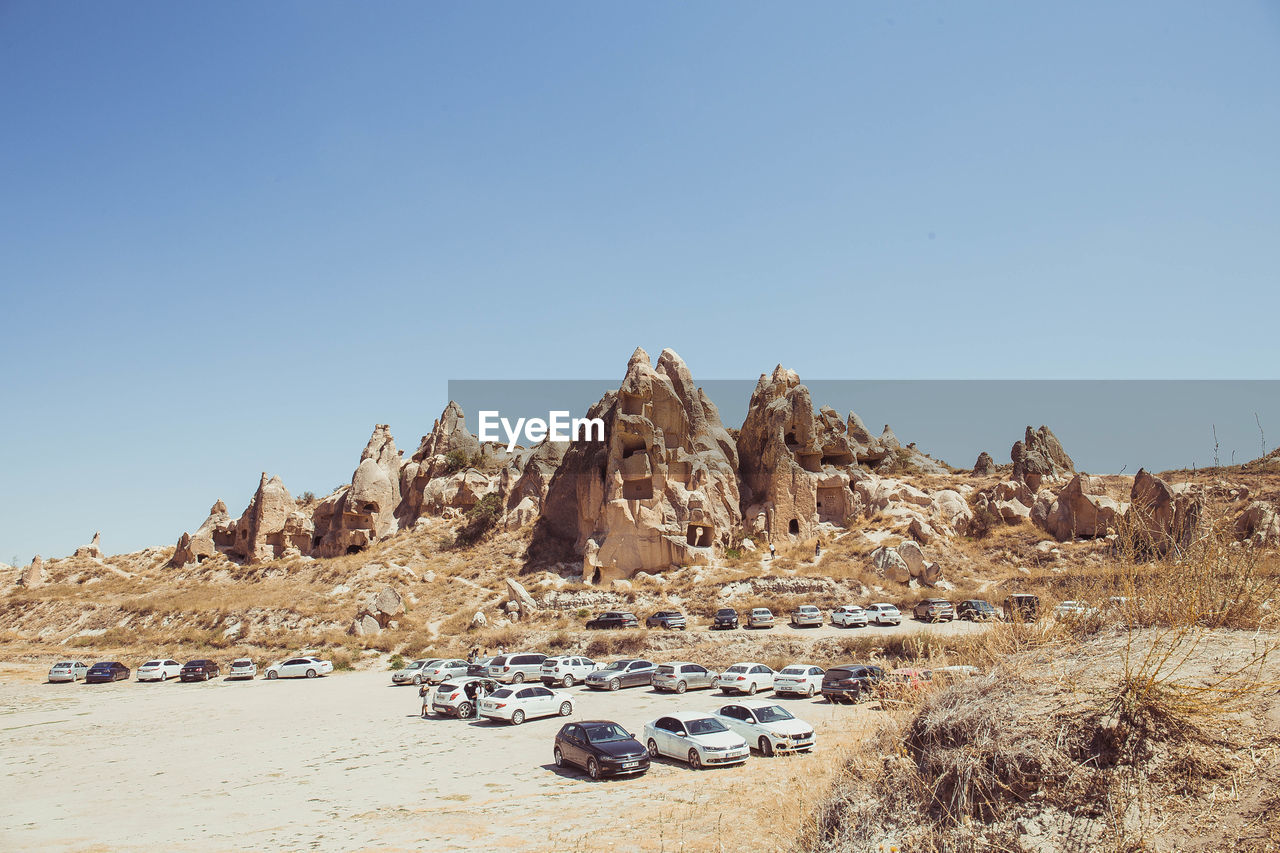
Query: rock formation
x=985, y=466
x=448, y=449
x=1259, y=524
x=346, y=522
x=378, y=612
x=517, y=594
x=659, y=491
x=525, y=481
x=93, y=550
x=904, y=563
x=33, y=575
x=213, y=536
x=1162, y=518
x=270, y=525
x=1040, y=456
x=1081, y=510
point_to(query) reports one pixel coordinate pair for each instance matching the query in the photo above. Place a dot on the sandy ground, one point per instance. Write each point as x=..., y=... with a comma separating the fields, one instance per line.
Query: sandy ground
x=346, y=763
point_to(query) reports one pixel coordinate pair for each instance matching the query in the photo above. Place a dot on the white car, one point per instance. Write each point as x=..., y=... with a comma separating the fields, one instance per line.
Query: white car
x=457, y=697
x=159, y=669
x=798, y=679
x=883, y=614
x=68, y=670
x=701, y=739
x=567, y=670
x=745, y=678
x=850, y=616
x=242, y=668
x=521, y=702
x=806, y=616
x=414, y=671
x=299, y=668
x=442, y=670
x=769, y=727
x=1073, y=610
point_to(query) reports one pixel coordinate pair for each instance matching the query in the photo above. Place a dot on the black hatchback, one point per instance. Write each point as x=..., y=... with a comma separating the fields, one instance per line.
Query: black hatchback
x=198, y=670
x=600, y=747
x=104, y=671
x=726, y=617
x=614, y=619
x=851, y=682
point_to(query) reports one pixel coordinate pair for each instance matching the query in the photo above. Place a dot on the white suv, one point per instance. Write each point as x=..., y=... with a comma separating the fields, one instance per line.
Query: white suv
x=883, y=614
x=567, y=670
x=849, y=616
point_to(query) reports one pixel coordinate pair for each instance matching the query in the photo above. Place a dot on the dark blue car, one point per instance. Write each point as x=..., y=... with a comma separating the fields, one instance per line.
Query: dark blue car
x=103, y=671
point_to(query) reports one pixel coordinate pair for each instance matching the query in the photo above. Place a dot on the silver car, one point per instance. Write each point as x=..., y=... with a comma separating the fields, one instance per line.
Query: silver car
x=413, y=672
x=68, y=670
x=680, y=676
x=806, y=616
x=760, y=617
x=516, y=668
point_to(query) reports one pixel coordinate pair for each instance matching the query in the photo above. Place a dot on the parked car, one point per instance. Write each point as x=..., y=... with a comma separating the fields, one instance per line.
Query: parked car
x=443, y=670
x=1073, y=610
x=760, y=617
x=457, y=696
x=849, y=616
x=798, y=679
x=628, y=672
x=951, y=674
x=104, y=671
x=679, y=676
x=671, y=620
x=201, y=669
x=748, y=678
x=518, y=703
x=601, y=747
x=726, y=617
x=614, y=619
x=1022, y=607
x=698, y=738
x=414, y=672
x=567, y=670
x=850, y=683
x=768, y=726
x=479, y=666
x=934, y=610
x=308, y=667
x=806, y=616
x=976, y=610
x=242, y=668
x=159, y=669
x=68, y=670
x=883, y=614
x=516, y=668
x=902, y=683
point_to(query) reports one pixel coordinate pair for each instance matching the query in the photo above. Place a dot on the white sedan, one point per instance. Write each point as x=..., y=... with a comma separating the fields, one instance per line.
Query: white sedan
x=159, y=669
x=798, y=679
x=849, y=616
x=884, y=614
x=518, y=703
x=299, y=668
x=701, y=739
x=769, y=727
x=438, y=672
x=745, y=678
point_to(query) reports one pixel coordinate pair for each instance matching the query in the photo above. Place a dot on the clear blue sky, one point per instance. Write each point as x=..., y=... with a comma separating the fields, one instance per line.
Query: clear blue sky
x=234, y=236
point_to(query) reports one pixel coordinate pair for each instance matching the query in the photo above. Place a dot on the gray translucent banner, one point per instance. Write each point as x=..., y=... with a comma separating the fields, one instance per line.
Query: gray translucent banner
x=1106, y=426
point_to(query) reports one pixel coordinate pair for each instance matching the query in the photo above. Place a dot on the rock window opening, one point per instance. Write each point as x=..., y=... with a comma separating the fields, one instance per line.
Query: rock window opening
x=632, y=404
x=353, y=549
x=699, y=535
x=637, y=490
x=794, y=527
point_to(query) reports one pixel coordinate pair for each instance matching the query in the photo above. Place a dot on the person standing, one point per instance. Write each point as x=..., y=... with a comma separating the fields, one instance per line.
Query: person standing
x=425, y=692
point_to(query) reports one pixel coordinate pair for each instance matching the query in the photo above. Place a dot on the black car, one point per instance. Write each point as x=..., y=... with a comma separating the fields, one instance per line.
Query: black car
x=1021, y=606
x=849, y=683
x=976, y=610
x=672, y=620
x=198, y=670
x=614, y=619
x=726, y=617
x=104, y=671
x=601, y=747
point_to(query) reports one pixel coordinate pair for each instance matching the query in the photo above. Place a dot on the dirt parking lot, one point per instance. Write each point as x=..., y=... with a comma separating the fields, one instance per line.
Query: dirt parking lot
x=345, y=762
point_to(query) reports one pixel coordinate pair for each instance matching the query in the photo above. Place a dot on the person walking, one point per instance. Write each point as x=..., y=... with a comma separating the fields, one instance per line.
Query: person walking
x=425, y=692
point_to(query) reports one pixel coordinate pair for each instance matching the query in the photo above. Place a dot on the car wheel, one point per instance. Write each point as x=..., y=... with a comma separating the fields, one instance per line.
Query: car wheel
x=518, y=678
x=517, y=717
x=751, y=689
x=311, y=673
x=615, y=684
x=695, y=760
x=766, y=747
x=559, y=756
x=566, y=708
x=272, y=676
x=465, y=710
x=593, y=768
x=417, y=679
x=681, y=687
x=652, y=746
x=809, y=693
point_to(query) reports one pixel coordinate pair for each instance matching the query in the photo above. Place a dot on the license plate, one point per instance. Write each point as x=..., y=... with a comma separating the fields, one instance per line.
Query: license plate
x=626, y=764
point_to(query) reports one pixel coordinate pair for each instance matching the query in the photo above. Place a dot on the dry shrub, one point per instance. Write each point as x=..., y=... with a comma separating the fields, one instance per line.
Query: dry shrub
x=618, y=644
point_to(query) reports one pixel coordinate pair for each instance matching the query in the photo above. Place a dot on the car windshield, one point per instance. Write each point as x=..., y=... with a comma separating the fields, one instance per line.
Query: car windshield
x=151, y=663
x=705, y=726
x=63, y=665
x=501, y=693
x=773, y=714
x=725, y=612
x=618, y=664
x=736, y=668
x=607, y=734
x=792, y=670
x=242, y=662
x=667, y=669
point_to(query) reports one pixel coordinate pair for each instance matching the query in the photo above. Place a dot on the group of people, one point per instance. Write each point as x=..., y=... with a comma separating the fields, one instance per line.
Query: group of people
x=475, y=689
